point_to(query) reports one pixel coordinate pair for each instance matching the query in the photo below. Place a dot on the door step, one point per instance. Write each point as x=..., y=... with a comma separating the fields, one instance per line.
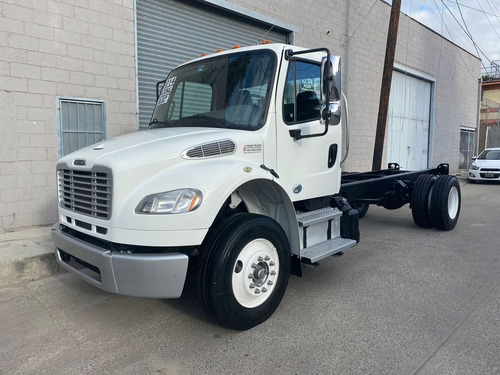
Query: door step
x=325, y=249
x=309, y=218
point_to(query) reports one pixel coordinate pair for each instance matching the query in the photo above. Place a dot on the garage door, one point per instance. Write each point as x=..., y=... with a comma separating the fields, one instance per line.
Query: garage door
x=171, y=32
x=409, y=121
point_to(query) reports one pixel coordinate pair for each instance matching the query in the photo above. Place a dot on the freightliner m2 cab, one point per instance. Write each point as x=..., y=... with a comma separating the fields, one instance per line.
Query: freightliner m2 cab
x=239, y=178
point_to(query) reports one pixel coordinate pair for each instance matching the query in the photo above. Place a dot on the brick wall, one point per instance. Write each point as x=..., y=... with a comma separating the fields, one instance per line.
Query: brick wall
x=50, y=48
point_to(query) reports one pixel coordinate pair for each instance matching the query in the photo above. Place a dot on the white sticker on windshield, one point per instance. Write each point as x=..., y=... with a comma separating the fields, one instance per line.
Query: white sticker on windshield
x=167, y=89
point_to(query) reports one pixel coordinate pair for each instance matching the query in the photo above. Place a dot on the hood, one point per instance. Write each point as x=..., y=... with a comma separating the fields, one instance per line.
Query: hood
x=487, y=163
x=156, y=145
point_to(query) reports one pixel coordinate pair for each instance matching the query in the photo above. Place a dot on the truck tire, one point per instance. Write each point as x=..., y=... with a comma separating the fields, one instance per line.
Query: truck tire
x=244, y=270
x=421, y=200
x=445, y=202
x=361, y=207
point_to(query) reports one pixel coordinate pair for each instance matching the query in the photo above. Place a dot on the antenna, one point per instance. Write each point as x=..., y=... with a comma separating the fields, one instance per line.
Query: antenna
x=263, y=36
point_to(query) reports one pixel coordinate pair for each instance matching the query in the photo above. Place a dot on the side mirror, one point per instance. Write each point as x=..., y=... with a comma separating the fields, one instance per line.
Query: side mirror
x=331, y=79
x=474, y=157
x=331, y=89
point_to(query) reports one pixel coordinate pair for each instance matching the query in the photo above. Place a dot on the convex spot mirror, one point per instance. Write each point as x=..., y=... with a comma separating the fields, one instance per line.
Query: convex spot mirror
x=331, y=88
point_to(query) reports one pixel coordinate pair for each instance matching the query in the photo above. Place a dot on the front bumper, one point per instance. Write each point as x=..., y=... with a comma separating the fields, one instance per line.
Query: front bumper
x=138, y=275
x=484, y=175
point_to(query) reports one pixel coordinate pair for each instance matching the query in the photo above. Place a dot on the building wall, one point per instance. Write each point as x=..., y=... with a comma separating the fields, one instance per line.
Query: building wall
x=50, y=48
x=358, y=32
x=86, y=49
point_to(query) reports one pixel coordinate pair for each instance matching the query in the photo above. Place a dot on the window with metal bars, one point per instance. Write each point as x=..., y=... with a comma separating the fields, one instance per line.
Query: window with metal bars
x=81, y=122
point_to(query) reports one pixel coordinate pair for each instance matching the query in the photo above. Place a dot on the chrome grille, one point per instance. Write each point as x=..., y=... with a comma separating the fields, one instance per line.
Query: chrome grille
x=85, y=192
x=206, y=150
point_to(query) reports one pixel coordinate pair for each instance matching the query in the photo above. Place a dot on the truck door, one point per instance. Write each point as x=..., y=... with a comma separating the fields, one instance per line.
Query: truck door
x=308, y=167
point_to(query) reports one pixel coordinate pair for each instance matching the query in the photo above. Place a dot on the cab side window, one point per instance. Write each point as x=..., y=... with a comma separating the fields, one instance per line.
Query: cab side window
x=302, y=92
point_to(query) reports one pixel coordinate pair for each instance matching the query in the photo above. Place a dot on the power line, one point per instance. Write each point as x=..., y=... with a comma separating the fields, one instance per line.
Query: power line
x=488, y=20
x=357, y=27
x=477, y=10
x=451, y=37
x=467, y=32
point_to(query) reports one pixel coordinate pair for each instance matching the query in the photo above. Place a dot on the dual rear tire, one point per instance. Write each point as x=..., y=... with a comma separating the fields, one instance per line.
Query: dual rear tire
x=436, y=202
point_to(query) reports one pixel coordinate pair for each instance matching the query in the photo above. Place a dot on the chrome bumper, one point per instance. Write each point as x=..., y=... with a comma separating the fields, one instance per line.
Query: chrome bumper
x=136, y=275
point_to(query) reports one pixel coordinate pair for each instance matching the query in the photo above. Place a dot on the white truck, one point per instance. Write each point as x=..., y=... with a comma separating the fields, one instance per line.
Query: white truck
x=238, y=177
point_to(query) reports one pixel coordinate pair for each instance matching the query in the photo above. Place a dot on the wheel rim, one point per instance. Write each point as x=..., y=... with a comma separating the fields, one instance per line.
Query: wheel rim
x=255, y=273
x=453, y=202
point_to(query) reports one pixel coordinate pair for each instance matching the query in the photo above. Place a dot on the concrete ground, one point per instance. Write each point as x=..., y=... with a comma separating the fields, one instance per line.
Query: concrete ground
x=404, y=301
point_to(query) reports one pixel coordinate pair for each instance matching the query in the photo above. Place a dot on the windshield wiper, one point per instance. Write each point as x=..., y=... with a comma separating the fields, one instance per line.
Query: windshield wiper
x=204, y=117
x=157, y=124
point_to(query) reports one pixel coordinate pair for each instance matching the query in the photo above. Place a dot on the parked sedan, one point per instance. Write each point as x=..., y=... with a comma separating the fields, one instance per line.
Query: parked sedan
x=486, y=167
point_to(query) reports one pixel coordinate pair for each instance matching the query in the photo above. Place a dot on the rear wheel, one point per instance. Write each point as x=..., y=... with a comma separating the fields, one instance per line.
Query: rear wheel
x=445, y=202
x=421, y=200
x=244, y=271
x=361, y=207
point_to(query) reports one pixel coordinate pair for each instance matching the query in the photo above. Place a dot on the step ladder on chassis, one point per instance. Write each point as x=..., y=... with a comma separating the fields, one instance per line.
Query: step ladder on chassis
x=320, y=235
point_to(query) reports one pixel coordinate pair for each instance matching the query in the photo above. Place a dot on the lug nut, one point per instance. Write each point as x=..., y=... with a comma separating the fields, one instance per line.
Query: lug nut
x=250, y=275
x=257, y=291
x=252, y=285
x=264, y=290
x=267, y=258
x=270, y=282
x=260, y=259
x=254, y=265
x=273, y=273
x=272, y=264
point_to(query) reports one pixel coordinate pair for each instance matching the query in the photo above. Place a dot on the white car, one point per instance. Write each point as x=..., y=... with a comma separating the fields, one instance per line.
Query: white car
x=486, y=167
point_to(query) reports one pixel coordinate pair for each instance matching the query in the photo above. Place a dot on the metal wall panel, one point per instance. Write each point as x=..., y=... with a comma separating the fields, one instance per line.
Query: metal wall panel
x=409, y=121
x=81, y=123
x=170, y=32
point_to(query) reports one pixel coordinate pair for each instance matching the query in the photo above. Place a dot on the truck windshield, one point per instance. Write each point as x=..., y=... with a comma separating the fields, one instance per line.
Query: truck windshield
x=226, y=91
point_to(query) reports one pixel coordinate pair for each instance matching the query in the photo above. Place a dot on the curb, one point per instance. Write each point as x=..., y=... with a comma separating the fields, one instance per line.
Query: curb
x=27, y=255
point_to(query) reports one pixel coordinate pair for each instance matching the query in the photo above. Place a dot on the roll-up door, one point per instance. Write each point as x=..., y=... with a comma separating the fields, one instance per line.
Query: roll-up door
x=409, y=121
x=170, y=32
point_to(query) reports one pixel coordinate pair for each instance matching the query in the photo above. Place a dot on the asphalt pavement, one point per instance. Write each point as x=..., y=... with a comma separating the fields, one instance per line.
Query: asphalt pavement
x=404, y=301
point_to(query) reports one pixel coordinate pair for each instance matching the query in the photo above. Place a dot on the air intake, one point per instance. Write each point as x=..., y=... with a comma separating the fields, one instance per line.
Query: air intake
x=210, y=150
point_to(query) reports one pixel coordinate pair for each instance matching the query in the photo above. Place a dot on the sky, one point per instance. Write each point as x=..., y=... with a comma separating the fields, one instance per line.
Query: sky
x=482, y=23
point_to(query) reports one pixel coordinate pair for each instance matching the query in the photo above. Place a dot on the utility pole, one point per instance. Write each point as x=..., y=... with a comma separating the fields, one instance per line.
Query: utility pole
x=385, y=90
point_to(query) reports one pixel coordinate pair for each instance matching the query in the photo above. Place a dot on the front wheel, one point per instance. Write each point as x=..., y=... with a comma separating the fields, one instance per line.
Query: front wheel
x=445, y=202
x=244, y=271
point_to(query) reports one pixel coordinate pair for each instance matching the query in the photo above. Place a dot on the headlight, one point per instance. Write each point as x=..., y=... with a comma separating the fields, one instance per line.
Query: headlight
x=170, y=202
x=474, y=167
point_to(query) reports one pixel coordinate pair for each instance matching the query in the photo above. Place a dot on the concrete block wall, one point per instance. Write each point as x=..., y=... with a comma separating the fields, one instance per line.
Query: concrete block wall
x=85, y=49
x=51, y=48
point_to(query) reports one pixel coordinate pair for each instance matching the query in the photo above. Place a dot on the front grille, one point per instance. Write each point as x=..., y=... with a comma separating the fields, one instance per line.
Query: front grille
x=490, y=175
x=86, y=192
x=490, y=169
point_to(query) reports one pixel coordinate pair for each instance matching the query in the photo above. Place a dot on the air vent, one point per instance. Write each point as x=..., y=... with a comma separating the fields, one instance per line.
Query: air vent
x=209, y=150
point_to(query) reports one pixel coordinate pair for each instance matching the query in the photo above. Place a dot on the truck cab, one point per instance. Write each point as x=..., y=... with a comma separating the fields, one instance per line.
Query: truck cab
x=238, y=176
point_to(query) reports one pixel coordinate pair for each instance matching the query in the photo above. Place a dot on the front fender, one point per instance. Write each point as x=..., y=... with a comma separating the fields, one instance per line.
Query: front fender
x=215, y=178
